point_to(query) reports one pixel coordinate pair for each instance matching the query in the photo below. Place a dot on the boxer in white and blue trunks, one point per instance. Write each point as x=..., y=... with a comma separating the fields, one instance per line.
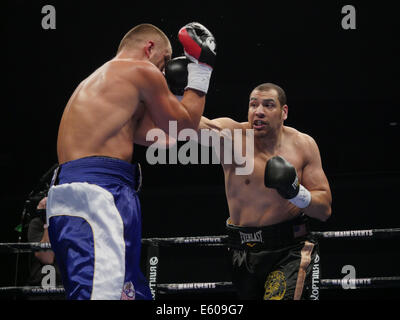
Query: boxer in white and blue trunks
x=93, y=210
x=96, y=229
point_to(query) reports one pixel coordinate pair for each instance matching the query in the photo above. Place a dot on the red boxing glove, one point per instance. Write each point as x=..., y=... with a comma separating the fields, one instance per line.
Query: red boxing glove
x=199, y=47
x=198, y=43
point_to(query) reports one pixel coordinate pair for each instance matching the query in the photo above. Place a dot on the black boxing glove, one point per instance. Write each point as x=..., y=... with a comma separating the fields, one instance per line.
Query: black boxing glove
x=176, y=74
x=200, y=47
x=282, y=176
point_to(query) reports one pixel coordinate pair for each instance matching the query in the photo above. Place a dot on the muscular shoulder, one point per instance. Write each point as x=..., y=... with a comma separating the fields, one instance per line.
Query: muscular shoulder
x=141, y=76
x=304, y=143
x=133, y=70
x=298, y=136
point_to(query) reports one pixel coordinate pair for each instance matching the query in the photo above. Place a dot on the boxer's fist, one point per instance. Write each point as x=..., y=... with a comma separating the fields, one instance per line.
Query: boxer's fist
x=176, y=74
x=281, y=175
x=198, y=43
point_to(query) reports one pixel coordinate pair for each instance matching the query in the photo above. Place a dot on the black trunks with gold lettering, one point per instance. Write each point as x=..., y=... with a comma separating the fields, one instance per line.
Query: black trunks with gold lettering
x=277, y=262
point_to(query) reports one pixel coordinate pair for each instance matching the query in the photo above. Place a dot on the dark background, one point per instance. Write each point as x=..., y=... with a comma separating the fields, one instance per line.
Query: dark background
x=342, y=89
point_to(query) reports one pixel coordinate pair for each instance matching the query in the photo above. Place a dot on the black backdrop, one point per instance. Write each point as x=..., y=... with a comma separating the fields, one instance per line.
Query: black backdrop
x=342, y=88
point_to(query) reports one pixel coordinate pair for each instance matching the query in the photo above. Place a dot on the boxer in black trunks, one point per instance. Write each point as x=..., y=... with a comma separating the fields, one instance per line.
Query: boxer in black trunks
x=273, y=252
x=274, y=255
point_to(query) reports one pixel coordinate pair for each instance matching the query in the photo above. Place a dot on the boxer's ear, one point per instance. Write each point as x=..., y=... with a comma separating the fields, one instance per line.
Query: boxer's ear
x=148, y=48
x=285, y=112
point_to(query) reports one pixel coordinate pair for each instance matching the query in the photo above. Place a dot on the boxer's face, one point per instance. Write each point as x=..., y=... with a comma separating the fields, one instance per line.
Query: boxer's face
x=265, y=112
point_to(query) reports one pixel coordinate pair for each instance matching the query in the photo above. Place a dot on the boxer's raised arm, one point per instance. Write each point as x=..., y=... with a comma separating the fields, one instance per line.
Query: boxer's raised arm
x=199, y=47
x=143, y=128
x=163, y=106
x=220, y=124
x=224, y=127
x=220, y=130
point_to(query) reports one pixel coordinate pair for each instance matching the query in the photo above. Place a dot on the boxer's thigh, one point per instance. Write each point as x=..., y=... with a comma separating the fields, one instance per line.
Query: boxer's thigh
x=290, y=276
x=86, y=232
x=243, y=277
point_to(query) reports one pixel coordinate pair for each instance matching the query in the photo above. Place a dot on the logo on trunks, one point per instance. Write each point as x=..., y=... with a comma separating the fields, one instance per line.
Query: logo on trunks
x=275, y=286
x=153, y=275
x=315, y=279
x=128, y=292
x=251, y=239
x=237, y=145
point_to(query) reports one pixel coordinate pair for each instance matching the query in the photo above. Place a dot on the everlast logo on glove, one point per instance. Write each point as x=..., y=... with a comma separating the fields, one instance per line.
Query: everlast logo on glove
x=251, y=238
x=295, y=183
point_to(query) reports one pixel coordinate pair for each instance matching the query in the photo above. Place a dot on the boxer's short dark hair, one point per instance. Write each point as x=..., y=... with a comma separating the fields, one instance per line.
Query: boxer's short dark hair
x=141, y=32
x=271, y=86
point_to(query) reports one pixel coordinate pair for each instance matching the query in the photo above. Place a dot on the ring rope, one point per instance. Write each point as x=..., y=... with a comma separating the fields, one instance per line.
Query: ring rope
x=203, y=287
x=359, y=234
x=24, y=247
x=376, y=282
x=32, y=290
x=219, y=241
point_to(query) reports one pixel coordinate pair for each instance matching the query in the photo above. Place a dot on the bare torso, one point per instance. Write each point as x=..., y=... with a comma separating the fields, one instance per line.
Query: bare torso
x=102, y=116
x=250, y=202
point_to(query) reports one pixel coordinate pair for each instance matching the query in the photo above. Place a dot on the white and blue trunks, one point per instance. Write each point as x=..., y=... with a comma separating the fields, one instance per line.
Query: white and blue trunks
x=94, y=218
